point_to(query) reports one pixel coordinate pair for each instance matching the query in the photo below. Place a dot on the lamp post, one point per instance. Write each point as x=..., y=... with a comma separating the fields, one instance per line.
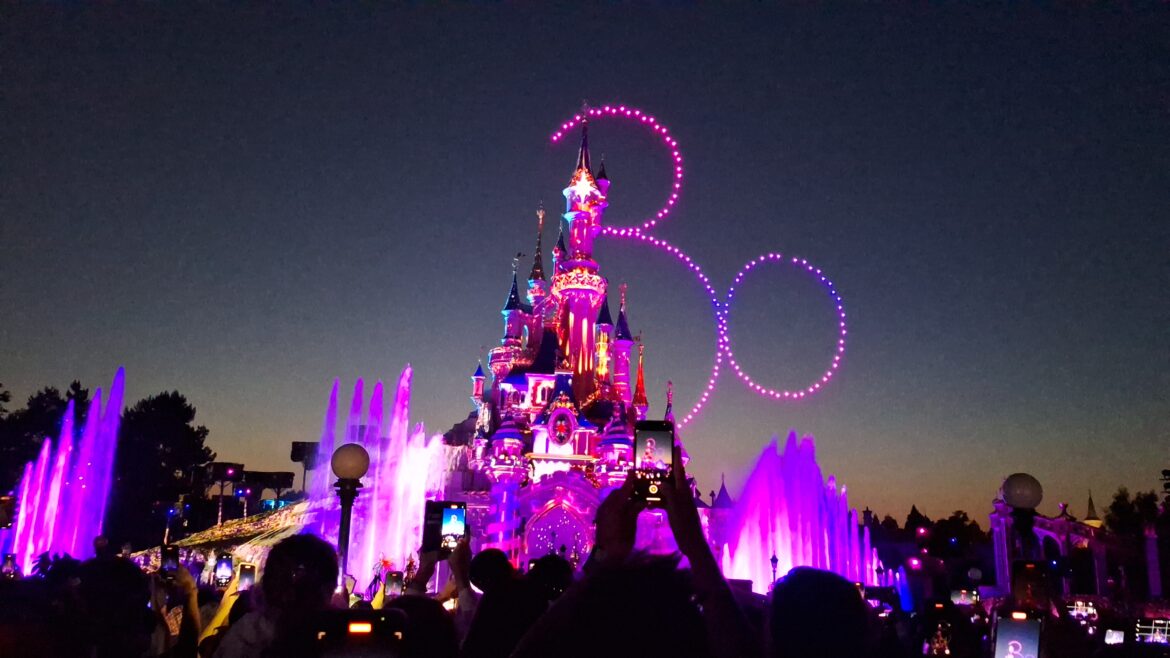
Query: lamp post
x=1023, y=493
x=350, y=462
x=775, y=563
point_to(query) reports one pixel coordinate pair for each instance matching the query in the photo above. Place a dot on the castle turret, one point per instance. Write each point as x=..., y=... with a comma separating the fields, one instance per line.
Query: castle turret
x=1091, y=518
x=622, y=351
x=536, y=280
x=576, y=283
x=516, y=315
x=641, y=402
x=477, y=385
x=604, y=327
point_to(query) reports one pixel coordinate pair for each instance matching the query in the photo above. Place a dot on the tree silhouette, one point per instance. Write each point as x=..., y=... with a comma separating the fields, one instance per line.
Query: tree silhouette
x=158, y=448
x=22, y=431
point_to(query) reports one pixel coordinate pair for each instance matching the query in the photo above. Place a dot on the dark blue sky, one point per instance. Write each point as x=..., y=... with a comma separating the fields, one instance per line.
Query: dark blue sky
x=244, y=204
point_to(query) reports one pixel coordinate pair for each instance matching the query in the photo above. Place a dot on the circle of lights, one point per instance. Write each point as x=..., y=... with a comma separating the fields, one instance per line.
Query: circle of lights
x=709, y=388
x=671, y=143
x=725, y=328
x=722, y=309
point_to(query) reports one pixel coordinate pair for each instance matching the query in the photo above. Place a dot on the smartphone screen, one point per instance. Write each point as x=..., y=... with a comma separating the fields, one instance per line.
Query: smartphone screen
x=223, y=571
x=8, y=570
x=393, y=584
x=1017, y=637
x=1152, y=631
x=653, y=458
x=7, y=511
x=444, y=524
x=169, y=559
x=247, y=577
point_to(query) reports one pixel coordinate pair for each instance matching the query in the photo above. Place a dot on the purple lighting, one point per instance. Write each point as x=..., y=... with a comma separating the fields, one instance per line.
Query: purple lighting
x=722, y=310
x=63, y=494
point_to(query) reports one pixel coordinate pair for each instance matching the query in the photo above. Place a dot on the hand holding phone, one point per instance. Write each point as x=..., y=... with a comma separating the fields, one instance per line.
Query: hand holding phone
x=169, y=561
x=223, y=571
x=653, y=459
x=247, y=577
x=444, y=526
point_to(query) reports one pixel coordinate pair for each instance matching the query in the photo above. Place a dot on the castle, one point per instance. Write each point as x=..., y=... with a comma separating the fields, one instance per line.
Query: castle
x=553, y=427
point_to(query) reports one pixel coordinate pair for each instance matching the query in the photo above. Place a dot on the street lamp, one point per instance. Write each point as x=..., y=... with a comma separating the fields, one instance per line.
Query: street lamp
x=350, y=462
x=775, y=563
x=1023, y=493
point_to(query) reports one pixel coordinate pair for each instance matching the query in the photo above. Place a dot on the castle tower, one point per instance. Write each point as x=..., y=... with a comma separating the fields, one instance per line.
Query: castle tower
x=537, y=286
x=577, y=284
x=516, y=313
x=641, y=402
x=622, y=350
x=477, y=386
x=604, y=327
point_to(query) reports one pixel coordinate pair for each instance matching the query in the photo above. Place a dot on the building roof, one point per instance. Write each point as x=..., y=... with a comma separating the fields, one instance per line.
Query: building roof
x=603, y=316
x=723, y=499
x=513, y=302
x=601, y=170
x=622, y=329
x=478, y=370
x=583, y=153
x=545, y=362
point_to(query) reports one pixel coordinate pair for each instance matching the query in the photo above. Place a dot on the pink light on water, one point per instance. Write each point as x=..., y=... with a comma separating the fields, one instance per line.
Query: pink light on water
x=787, y=509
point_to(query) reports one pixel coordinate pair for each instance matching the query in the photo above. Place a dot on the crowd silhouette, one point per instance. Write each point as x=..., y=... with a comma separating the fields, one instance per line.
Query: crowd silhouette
x=622, y=603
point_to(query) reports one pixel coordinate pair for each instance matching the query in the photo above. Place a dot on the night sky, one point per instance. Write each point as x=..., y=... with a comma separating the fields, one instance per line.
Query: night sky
x=244, y=204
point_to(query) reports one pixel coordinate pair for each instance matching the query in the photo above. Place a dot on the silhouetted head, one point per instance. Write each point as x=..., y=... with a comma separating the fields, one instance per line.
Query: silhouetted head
x=552, y=575
x=643, y=607
x=300, y=574
x=818, y=614
x=429, y=630
x=490, y=568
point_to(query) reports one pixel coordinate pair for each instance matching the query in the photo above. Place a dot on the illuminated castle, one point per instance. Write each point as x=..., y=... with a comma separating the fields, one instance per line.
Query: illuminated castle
x=552, y=427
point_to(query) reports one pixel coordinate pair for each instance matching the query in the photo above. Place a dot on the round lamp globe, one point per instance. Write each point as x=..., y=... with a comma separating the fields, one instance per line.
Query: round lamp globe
x=350, y=462
x=1022, y=491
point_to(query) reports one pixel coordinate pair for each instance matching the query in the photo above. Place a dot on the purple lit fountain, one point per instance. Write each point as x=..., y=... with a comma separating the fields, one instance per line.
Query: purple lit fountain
x=63, y=493
x=387, y=516
x=788, y=510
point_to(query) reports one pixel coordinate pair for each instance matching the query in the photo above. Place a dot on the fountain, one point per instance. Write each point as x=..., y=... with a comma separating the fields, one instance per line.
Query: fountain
x=388, y=513
x=788, y=510
x=63, y=494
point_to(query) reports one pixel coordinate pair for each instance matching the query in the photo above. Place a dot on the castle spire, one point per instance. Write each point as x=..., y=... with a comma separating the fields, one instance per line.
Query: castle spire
x=669, y=413
x=583, y=153
x=603, y=316
x=537, y=273
x=513, y=303
x=641, y=403
x=601, y=175
x=1091, y=518
x=622, y=329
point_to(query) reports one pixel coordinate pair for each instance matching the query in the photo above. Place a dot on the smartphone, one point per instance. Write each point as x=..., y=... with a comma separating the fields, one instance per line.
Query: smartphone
x=247, y=577
x=223, y=571
x=7, y=511
x=393, y=584
x=653, y=458
x=8, y=569
x=444, y=524
x=169, y=561
x=1152, y=631
x=1017, y=635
